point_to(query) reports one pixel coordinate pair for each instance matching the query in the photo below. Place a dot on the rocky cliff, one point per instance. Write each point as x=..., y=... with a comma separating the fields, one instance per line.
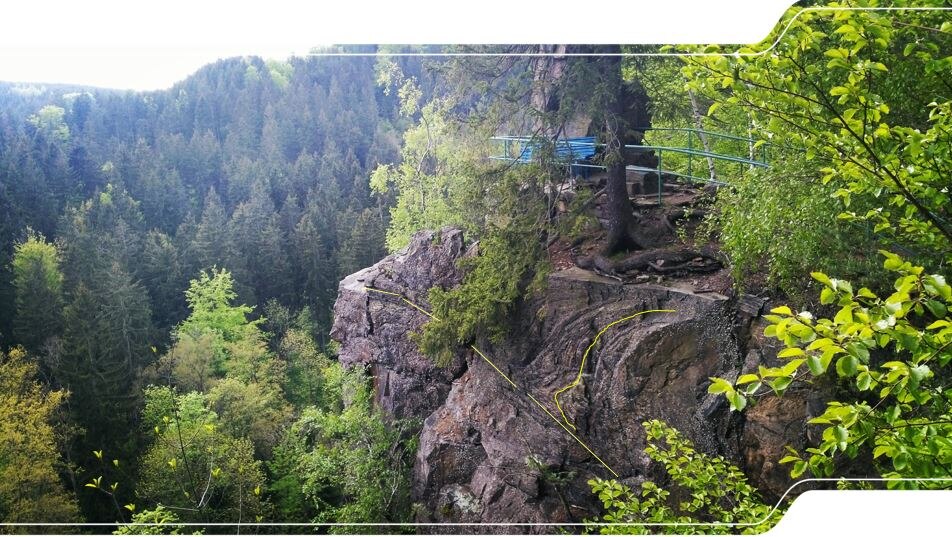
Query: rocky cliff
x=489, y=453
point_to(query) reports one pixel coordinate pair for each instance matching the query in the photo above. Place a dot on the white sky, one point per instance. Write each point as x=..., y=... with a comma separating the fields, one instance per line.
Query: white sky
x=136, y=45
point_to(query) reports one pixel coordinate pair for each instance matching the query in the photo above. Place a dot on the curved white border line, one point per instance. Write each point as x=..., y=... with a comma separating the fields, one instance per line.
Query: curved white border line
x=767, y=517
x=736, y=54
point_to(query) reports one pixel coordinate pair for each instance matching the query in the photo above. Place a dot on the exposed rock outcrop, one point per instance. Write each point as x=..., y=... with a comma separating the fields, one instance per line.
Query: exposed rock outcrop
x=489, y=453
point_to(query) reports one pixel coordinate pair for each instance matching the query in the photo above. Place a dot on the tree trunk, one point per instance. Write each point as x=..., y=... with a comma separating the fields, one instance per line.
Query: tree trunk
x=696, y=112
x=621, y=219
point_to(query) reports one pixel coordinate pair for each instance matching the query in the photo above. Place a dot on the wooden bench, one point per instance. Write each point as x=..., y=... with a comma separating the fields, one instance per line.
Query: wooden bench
x=568, y=150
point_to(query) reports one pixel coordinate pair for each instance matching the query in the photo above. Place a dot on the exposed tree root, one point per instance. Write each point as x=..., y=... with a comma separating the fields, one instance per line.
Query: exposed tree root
x=671, y=217
x=659, y=261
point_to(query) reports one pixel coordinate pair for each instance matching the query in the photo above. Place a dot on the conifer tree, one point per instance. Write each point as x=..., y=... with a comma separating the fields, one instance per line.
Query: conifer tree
x=261, y=243
x=38, y=282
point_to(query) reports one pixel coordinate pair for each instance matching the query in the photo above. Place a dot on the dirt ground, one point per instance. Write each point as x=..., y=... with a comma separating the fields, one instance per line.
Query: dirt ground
x=675, y=248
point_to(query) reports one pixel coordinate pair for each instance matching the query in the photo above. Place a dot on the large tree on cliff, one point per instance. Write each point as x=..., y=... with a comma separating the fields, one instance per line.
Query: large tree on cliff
x=543, y=91
x=620, y=104
x=575, y=86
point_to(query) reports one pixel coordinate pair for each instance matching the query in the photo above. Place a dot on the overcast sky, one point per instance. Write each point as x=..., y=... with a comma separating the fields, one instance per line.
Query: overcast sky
x=151, y=45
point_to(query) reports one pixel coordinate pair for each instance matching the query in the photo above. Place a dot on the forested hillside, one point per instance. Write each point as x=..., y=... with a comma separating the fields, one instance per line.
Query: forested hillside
x=240, y=166
x=249, y=180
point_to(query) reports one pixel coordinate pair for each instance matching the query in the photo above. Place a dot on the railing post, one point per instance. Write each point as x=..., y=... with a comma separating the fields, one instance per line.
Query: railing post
x=660, y=182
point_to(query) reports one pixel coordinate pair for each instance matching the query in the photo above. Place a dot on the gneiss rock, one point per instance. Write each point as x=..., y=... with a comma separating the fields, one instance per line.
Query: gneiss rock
x=487, y=452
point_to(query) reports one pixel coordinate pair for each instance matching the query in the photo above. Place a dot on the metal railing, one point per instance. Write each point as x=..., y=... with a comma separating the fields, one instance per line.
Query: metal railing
x=678, y=163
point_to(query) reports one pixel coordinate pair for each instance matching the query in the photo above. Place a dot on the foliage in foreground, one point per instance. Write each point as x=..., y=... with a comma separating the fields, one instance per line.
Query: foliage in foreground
x=30, y=489
x=890, y=354
x=859, y=99
x=158, y=521
x=194, y=466
x=342, y=462
x=225, y=445
x=778, y=223
x=707, y=490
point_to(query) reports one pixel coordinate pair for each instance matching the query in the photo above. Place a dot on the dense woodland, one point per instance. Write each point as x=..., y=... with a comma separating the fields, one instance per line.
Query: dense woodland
x=168, y=262
x=135, y=228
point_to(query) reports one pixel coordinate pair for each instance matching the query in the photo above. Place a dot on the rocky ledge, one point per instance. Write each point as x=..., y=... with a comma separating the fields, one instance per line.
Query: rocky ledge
x=489, y=453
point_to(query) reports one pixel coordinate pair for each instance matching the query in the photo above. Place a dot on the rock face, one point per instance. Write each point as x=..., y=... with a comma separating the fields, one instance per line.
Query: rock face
x=489, y=453
x=373, y=327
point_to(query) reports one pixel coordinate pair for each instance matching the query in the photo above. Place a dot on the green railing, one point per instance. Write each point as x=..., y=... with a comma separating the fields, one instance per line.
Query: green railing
x=724, y=154
x=679, y=152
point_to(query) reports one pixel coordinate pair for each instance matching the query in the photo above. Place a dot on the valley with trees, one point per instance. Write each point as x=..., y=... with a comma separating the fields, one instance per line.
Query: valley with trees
x=606, y=277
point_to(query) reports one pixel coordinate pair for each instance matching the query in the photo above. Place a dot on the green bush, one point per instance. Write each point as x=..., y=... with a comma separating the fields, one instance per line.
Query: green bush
x=891, y=356
x=710, y=496
x=781, y=223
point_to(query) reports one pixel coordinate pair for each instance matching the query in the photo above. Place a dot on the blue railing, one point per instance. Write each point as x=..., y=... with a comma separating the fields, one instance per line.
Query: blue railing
x=578, y=152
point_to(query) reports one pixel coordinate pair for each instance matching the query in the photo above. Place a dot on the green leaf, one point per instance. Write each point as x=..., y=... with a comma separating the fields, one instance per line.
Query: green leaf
x=821, y=343
x=752, y=388
x=858, y=350
x=780, y=384
x=935, y=284
x=863, y=380
x=892, y=263
x=937, y=308
x=840, y=433
x=719, y=385
x=919, y=372
x=789, y=353
x=747, y=379
x=892, y=414
x=737, y=400
x=815, y=365
x=798, y=468
x=791, y=367
x=846, y=366
x=782, y=310
x=901, y=461
x=844, y=316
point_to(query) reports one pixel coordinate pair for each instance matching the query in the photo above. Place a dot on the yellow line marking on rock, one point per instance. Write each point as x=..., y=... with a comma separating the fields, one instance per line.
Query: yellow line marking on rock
x=577, y=439
x=490, y=362
x=581, y=366
x=509, y=380
x=403, y=298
